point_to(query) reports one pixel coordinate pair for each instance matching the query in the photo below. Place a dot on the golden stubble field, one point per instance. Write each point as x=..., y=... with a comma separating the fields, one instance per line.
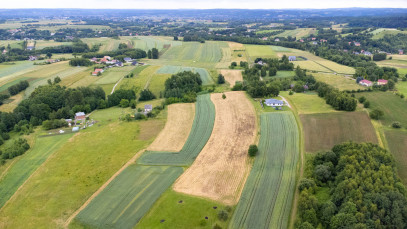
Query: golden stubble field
x=176, y=131
x=232, y=76
x=221, y=169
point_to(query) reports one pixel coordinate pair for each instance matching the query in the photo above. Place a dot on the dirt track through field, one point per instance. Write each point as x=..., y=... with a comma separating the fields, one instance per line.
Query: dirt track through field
x=231, y=76
x=176, y=131
x=221, y=169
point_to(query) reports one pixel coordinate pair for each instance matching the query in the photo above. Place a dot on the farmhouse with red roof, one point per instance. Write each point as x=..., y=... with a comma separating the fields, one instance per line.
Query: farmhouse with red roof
x=366, y=83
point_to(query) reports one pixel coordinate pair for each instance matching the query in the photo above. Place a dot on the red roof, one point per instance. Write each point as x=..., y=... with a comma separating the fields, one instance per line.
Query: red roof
x=98, y=70
x=366, y=81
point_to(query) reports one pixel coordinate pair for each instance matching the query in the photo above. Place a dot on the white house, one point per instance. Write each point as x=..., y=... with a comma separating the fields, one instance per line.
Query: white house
x=274, y=103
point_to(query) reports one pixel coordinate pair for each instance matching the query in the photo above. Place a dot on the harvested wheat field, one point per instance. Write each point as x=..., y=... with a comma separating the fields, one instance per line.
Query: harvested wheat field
x=221, y=169
x=232, y=76
x=236, y=46
x=176, y=131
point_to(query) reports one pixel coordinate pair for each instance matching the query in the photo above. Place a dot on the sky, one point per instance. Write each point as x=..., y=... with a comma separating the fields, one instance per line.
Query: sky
x=203, y=4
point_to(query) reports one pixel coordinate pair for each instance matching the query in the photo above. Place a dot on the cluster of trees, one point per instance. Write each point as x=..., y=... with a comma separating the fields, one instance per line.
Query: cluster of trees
x=19, y=147
x=303, y=81
x=17, y=88
x=118, y=95
x=118, y=54
x=183, y=86
x=80, y=62
x=146, y=95
x=153, y=53
x=76, y=47
x=363, y=186
x=337, y=99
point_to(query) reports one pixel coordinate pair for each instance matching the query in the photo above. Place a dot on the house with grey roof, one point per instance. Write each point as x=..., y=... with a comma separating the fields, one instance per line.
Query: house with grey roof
x=274, y=103
x=148, y=108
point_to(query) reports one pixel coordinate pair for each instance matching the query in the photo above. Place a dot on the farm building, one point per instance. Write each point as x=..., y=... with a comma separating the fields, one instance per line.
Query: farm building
x=366, y=83
x=119, y=64
x=381, y=82
x=127, y=59
x=75, y=129
x=292, y=58
x=80, y=116
x=277, y=40
x=148, y=108
x=274, y=102
x=94, y=59
x=134, y=63
x=401, y=52
x=30, y=47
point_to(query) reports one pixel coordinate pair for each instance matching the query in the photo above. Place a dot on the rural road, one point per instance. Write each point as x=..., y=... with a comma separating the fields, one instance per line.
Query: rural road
x=288, y=105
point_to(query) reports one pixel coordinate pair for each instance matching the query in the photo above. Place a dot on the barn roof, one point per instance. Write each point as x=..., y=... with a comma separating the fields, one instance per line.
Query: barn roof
x=275, y=101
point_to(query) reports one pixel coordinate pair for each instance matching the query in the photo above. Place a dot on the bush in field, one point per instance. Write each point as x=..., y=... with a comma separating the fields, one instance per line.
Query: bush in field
x=124, y=103
x=223, y=96
x=253, y=150
x=133, y=104
x=376, y=114
x=366, y=104
x=221, y=79
x=362, y=99
x=216, y=226
x=396, y=125
x=223, y=215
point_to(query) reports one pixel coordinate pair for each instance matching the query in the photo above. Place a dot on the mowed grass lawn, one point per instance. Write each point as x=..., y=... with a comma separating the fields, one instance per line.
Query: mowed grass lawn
x=397, y=142
x=402, y=87
x=209, y=52
x=263, y=51
x=394, y=108
x=28, y=163
x=77, y=170
x=308, y=103
x=323, y=131
x=338, y=81
x=183, y=212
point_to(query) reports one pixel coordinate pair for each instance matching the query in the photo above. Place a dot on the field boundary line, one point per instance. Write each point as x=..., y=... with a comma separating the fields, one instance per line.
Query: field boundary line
x=294, y=207
x=131, y=161
x=114, y=87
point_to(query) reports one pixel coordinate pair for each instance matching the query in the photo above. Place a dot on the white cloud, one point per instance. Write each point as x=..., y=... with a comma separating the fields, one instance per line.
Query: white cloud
x=209, y=4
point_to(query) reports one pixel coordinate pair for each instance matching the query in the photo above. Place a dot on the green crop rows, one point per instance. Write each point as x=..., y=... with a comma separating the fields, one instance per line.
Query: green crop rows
x=146, y=43
x=203, y=73
x=22, y=169
x=209, y=52
x=131, y=194
x=124, y=201
x=200, y=133
x=267, y=196
x=8, y=69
